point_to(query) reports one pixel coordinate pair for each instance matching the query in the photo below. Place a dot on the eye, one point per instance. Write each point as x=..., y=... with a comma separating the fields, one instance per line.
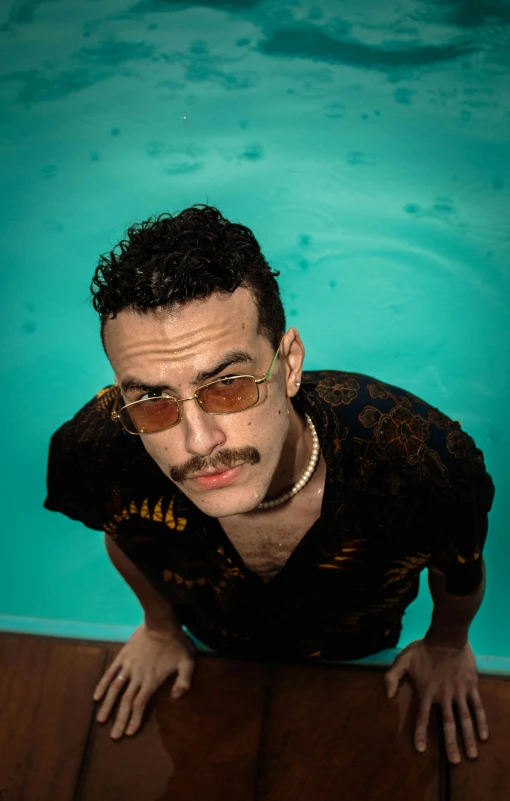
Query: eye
x=154, y=394
x=227, y=381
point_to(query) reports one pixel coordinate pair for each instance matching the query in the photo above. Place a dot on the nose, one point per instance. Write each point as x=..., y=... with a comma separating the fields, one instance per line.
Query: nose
x=202, y=432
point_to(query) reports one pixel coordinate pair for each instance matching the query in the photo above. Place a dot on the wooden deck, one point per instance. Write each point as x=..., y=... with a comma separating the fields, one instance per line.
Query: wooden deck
x=245, y=732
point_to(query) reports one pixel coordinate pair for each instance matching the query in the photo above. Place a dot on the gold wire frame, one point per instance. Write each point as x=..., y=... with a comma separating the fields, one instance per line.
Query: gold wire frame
x=115, y=415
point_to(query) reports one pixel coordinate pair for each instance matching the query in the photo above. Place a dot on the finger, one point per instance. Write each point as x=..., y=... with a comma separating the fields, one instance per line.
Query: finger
x=124, y=711
x=139, y=704
x=106, y=679
x=422, y=724
x=394, y=675
x=182, y=684
x=111, y=696
x=468, y=732
x=481, y=718
x=450, y=733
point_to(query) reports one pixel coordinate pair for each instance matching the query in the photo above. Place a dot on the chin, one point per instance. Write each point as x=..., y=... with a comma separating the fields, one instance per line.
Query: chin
x=223, y=503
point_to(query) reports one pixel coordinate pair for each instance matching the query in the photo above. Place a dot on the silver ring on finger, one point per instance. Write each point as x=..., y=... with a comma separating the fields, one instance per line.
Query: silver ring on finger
x=120, y=677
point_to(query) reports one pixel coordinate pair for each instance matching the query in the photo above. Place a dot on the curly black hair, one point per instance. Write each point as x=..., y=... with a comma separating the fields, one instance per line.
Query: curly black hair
x=167, y=260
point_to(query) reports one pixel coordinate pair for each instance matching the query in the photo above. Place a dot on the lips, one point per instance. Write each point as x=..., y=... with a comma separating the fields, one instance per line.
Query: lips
x=216, y=480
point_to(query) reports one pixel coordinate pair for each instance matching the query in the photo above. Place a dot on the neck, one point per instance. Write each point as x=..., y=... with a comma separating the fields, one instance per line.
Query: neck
x=295, y=455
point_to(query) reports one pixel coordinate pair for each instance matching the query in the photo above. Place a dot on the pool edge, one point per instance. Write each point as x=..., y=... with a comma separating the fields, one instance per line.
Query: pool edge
x=111, y=632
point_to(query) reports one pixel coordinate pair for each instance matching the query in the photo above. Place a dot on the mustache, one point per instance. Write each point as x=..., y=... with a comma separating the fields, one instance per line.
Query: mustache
x=229, y=457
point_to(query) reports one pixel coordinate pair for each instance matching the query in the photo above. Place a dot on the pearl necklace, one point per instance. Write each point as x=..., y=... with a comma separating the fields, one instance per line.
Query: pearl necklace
x=305, y=478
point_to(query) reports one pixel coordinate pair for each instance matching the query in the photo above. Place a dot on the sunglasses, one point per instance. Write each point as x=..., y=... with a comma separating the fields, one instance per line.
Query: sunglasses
x=228, y=395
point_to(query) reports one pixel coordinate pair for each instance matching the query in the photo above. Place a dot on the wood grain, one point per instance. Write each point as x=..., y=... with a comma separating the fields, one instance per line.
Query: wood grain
x=487, y=776
x=205, y=745
x=46, y=708
x=247, y=731
x=333, y=734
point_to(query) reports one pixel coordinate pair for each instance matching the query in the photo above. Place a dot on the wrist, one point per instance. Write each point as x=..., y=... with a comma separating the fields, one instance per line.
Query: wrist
x=446, y=638
x=162, y=622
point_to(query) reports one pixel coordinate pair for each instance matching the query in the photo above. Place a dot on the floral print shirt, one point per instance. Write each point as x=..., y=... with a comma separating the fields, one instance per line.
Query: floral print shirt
x=406, y=488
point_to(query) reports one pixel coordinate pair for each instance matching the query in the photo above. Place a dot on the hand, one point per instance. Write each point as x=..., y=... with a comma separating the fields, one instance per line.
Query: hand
x=442, y=675
x=146, y=660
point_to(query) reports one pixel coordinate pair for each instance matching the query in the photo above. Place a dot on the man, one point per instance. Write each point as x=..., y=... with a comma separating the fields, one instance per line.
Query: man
x=274, y=513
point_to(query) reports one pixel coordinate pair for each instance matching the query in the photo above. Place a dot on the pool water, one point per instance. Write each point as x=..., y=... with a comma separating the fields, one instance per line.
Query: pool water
x=367, y=147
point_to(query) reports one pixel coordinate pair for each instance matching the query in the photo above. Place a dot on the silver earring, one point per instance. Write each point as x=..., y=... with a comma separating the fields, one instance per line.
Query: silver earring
x=297, y=383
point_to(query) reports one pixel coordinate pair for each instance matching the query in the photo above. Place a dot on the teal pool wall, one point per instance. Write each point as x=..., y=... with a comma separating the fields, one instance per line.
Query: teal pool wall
x=367, y=147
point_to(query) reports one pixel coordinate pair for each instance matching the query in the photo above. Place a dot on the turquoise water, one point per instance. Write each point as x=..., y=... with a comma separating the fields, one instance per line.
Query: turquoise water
x=365, y=144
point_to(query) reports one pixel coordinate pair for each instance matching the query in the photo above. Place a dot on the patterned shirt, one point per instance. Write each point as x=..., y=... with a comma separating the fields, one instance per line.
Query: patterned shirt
x=406, y=488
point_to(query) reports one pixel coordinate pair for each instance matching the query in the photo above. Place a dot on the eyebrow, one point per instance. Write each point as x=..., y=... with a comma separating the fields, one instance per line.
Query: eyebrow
x=133, y=384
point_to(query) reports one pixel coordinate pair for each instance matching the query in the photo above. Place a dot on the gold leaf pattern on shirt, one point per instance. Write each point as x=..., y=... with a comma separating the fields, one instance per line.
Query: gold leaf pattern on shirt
x=460, y=559
x=346, y=555
x=376, y=390
x=401, y=435
x=403, y=566
x=169, y=575
x=338, y=391
x=170, y=521
x=102, y=392
x=145, y=512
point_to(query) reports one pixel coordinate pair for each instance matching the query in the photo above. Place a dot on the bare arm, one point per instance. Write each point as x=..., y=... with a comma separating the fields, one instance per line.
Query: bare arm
x=159, y=613
x=156, y=650
x=452, y=615
x=442, y=666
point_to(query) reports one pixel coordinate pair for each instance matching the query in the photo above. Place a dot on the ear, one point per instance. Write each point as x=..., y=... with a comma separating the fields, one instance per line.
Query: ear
x=293, y=352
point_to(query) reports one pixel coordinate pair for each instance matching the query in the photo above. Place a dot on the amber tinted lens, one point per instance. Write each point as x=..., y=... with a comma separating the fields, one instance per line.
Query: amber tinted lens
x=229, y=395
x=150, y=415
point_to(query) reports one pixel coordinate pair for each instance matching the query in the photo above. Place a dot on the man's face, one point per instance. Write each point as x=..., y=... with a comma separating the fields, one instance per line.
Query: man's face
x=171, y=349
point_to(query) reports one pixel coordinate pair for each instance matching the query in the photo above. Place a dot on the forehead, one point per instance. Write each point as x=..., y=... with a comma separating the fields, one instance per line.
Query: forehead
x=186, y=336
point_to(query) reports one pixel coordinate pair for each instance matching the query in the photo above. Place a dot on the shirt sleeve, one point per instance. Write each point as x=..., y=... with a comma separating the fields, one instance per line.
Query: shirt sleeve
x=76, y=480
x=457, y=496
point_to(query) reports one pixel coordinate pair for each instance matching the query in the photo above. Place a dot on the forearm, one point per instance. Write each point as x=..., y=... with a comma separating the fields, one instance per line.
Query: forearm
x=452, y=615
x=158, y=611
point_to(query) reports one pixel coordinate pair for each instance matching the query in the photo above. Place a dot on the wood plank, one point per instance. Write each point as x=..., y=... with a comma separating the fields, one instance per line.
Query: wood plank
x=487, y=776
x=333, y=734
x=205, y=745
x=46, y=708
x=330, y=730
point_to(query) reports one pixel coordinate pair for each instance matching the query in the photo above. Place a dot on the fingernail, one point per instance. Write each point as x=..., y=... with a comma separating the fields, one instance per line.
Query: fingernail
x=421, y=746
